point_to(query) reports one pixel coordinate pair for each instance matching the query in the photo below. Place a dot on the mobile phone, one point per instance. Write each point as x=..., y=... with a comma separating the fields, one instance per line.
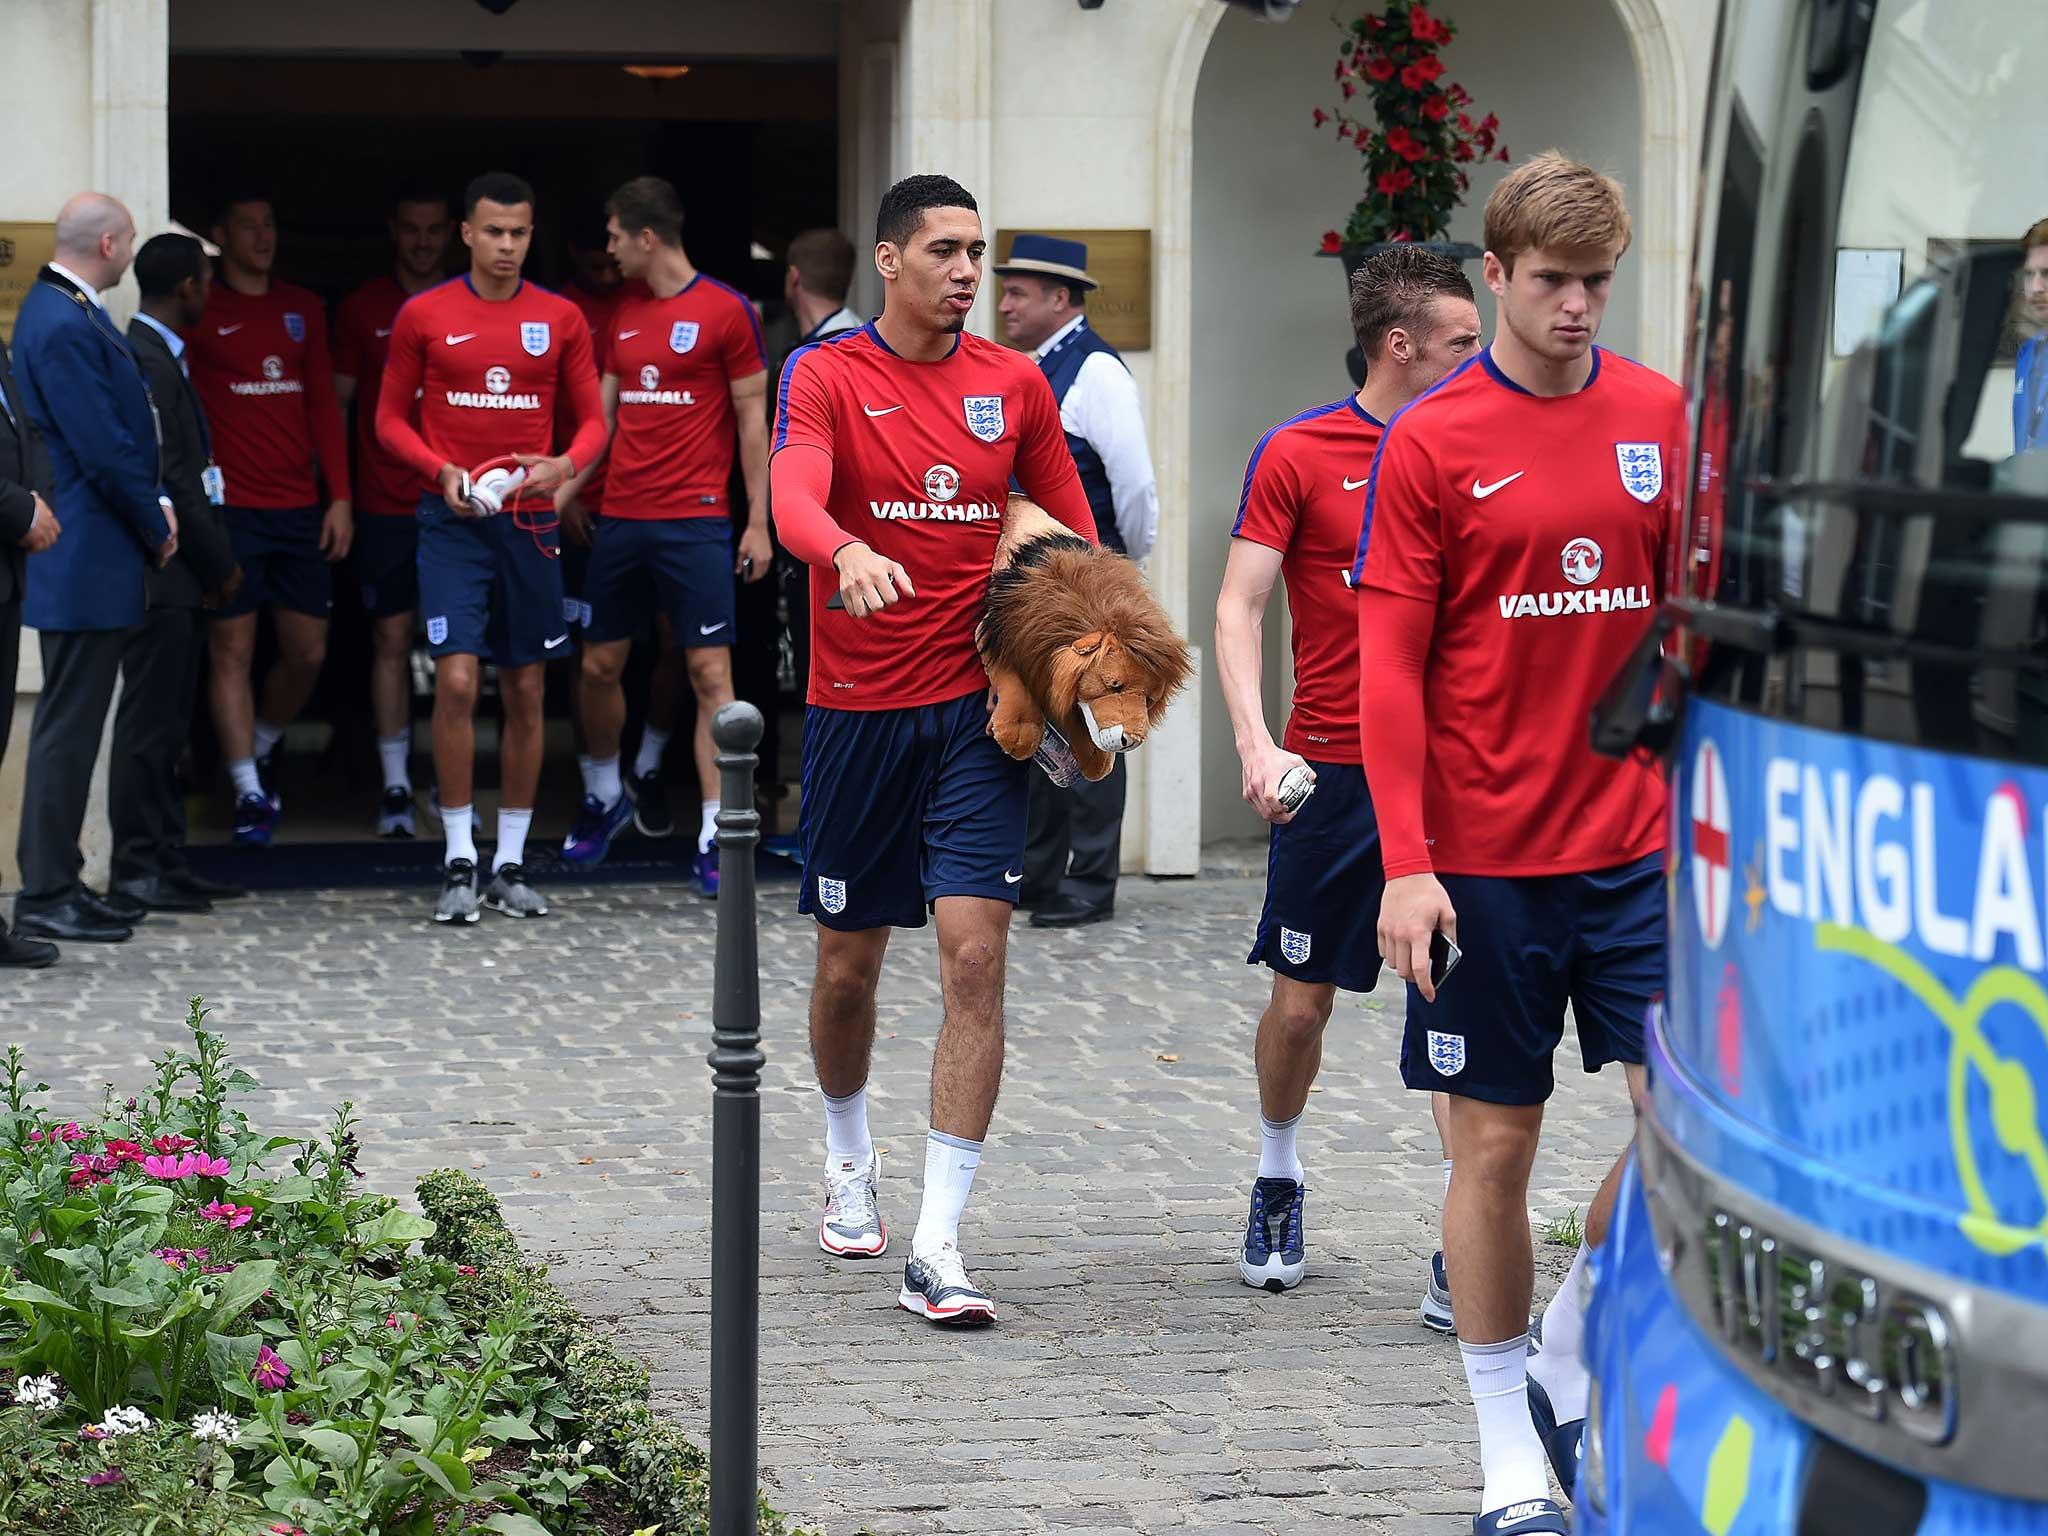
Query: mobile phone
x=1443, y=957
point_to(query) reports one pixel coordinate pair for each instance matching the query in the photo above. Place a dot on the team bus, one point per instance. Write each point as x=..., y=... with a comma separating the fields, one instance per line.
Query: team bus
x=1823, y=1306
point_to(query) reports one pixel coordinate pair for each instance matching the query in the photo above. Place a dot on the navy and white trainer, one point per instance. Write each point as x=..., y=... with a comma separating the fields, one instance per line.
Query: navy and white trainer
x=650, y=804
x=1436, y=1298
x=1274, y=1258
x=256, y=818
x=852, y=1226
x=1526, y=1518
x=1564, y=1444
x=937, y=1289
x=394, y=813
x=510, y=894
x=596, y=825
x=458, y=893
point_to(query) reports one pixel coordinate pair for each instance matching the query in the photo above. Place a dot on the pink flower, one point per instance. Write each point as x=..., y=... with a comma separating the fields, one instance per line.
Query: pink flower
x=270, y=1373
x=228, y=1213
x=281, y=1529
x=168, y=1167
x=470, y=1269
x=175, y=1257
x=170, y=1144
x=124, y=1151
x=91, y=1432
x=209, y=1167
x=105, y=1479
x=71, y=1132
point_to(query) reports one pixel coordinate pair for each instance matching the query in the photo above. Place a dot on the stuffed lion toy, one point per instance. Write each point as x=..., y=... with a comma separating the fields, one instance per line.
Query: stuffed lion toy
x=1071, y=634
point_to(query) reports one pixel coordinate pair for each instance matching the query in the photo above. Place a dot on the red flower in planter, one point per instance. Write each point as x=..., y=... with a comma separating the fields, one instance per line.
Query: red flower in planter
x=1461, y=151
x=1394, y=183
x=1332, y=242
x=1437, y=108
x=1321, y=117
x=1422, y=72
x=1380, y=69
x=1406, y=145
x=1426, y=28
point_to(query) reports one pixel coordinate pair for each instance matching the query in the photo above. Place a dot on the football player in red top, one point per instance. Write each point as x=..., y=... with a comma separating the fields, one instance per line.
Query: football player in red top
x=895, y=446
x=1415, y=320
x=259, y=360
x=684, y=380
x=387, y=488
x=1516, y=536
x=470, y=388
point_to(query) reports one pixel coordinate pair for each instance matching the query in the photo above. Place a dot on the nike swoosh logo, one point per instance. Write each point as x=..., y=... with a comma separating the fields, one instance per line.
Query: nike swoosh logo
x=712, y=629
x=383, y=331
x=549, y=645
x=1010, y=879
x=456, y=341
x=1480, y=493
x=884, y=411
x=229, y=330
x=627, y=335
x=1352, y=485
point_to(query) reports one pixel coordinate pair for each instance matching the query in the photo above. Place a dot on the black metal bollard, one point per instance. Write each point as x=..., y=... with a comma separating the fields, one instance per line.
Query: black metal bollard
x=736, y=1063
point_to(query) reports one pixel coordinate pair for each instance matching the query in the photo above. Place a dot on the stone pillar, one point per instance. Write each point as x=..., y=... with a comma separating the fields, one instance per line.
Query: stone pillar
x=946, y=109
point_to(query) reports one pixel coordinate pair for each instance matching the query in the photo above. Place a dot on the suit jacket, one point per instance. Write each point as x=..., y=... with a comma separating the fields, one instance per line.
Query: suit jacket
x=82, y=390
x=23, y=471
x=204, y=557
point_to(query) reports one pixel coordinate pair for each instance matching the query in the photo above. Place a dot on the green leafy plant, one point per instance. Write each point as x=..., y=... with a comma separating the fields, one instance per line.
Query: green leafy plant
x=1420, y=134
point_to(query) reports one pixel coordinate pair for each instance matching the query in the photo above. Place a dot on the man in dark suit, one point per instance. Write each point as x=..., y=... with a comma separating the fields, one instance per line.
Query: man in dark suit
x=83, y=391
x=160, y=665
x=27, y=526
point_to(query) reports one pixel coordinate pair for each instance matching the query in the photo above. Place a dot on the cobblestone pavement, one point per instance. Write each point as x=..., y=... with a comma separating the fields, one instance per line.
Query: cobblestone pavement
x=1133, y=1383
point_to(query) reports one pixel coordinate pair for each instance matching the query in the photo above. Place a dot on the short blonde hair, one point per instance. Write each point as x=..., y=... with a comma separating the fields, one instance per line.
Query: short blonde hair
x=1553, y=202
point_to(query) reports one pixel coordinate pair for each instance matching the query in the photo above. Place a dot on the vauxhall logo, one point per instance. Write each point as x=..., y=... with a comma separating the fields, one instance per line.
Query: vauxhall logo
x=1580, y=564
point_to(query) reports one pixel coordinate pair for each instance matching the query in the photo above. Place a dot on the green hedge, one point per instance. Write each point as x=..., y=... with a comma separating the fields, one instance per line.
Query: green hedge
x=668, y=1478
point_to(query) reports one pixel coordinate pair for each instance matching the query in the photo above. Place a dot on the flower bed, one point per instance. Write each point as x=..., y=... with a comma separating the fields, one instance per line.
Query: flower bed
x=212, y=1331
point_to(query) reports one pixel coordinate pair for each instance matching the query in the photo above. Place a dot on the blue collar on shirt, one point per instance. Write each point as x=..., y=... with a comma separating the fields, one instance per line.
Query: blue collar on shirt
x=171, y=338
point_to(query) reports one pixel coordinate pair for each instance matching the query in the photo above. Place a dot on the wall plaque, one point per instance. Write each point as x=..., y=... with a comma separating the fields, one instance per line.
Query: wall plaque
x=24, y=248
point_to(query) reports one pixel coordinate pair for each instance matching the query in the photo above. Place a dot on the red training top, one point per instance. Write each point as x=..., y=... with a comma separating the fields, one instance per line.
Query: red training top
x=596, y=309
x=915, y=460
x=1304, y=492
x=676, y=360
x=1528, y=536
x=489, y=373
x=260, y=364
x=385, y=484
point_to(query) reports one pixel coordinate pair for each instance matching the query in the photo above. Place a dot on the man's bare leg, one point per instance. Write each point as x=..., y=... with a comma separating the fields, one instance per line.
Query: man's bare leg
x=967, y=1067
x=1288, y=1051
x=842, y=1047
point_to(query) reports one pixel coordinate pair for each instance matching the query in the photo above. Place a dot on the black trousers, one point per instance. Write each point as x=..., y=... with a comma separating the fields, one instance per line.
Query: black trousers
x=80, y=667
x=159, y=682
x=10, y=658
x=1073, y=838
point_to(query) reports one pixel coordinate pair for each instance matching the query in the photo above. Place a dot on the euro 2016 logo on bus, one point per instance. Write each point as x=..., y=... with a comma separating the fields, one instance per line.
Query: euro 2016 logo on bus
x=497, y=380
x=533, y=335
x=1642, y=470
x=682, y=336
x=984, y=415
x=295, y=325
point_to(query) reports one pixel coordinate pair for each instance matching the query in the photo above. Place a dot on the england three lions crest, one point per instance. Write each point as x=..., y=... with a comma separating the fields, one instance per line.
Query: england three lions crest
x=984, y=415
x=832, y=895
x=1294, y=947
x=1446, y=1054
x=682, y=336
x=295, y=325
x=534, y=336
x=1642, y=470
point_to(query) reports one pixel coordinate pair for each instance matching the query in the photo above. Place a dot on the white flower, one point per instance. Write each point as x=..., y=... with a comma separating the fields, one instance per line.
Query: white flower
x=38, y=1394
x=124, y=1421
x=216, y=1425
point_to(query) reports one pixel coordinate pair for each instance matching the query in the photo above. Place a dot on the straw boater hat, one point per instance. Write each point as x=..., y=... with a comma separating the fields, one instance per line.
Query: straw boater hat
x=1047, y=256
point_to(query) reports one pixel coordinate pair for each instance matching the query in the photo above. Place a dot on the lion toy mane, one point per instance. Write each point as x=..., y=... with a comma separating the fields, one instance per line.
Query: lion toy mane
x=1071, y=634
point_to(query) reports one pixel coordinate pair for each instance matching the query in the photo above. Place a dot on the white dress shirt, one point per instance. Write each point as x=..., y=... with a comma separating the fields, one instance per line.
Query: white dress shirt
x=1102, y=409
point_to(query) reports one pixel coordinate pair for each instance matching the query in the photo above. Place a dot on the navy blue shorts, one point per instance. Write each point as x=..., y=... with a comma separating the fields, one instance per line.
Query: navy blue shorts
x=489, y=588
x=1321, y=918
x=386, y=557
x=1532, y=945
x=278, y=550
x=903, y=806
x=680, y=567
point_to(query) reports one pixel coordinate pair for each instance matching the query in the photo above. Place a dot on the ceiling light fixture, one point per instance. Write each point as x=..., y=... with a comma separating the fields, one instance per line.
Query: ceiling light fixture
x=658, y=71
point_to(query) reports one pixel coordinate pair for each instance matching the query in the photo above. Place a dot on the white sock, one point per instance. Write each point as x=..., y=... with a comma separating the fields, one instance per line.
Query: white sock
x=604, y=780
x=647, y=762
x=949, y=1164
x=1447, y=1178
x=707, y=829
x=846, y=1128
x=243, y=771
x=1561, y=1368
x=267, y=738
x=1511, y=1455
x=456, y=821
x=583, y=767
x=1278, y=1158
x=512, y=827
x=393, y=752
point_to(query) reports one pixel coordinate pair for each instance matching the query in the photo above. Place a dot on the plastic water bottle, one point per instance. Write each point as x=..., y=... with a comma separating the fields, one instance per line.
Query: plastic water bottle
x=1056, y=757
